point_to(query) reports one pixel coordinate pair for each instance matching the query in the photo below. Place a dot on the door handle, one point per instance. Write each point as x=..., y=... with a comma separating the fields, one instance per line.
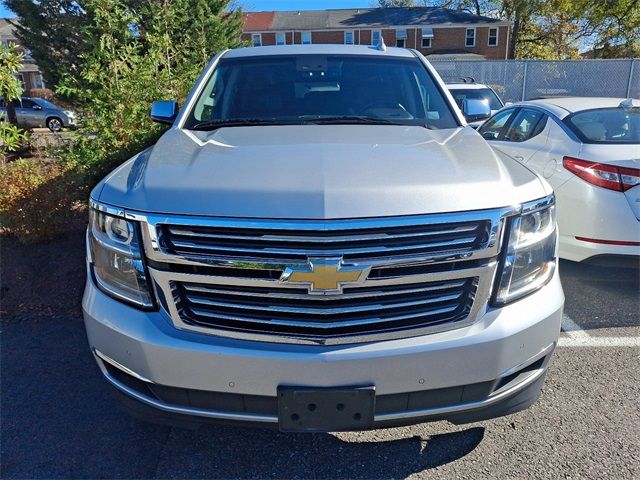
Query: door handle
x=519, y=158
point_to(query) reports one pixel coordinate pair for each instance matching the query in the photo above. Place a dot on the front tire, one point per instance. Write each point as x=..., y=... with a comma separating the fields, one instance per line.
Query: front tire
x=54, y=124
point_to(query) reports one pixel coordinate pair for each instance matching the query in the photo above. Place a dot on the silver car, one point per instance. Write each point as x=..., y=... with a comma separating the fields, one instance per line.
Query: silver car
x=37, y=112
x=319, y=242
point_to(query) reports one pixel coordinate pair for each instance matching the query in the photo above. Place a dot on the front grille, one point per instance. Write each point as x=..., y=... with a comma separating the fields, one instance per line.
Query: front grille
x=227, y=277
x=337, y=239
x=293, y=312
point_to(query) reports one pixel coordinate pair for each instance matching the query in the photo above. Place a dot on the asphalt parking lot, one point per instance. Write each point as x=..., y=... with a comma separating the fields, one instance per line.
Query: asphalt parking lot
x=58, y=420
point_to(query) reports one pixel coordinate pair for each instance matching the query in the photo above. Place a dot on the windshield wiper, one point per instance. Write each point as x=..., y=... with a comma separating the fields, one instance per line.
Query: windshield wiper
x=364, y=120
x=351, y=120
x=234, y=122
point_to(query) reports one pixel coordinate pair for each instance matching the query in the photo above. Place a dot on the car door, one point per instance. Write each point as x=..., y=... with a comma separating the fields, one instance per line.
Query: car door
x=21, y=113
x=548, y=161
x=524, y=136
x=32, y=113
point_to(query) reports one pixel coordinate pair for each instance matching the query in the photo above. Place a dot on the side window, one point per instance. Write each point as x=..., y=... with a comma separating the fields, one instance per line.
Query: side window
x=525, y=125
x=492, y=128
x=28, y=103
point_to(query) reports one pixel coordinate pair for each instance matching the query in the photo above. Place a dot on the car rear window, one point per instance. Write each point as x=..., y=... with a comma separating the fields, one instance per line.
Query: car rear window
x=293, y=89
x=607, y=125
x=461, y=94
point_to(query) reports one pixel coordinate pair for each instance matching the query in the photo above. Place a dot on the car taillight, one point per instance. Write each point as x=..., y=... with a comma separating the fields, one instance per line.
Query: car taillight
x=615, y=178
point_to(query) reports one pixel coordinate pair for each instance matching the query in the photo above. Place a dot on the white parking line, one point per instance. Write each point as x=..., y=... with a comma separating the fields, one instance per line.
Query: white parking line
x=599, y=342
x=577, y=337
x=572, y=329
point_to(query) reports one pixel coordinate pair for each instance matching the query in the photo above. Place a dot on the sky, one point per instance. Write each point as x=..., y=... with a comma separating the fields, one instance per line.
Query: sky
x=5, y=12
x=273, y=5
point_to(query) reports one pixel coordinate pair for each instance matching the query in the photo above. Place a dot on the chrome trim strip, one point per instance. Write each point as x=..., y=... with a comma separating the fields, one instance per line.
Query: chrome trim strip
x=332, y=239
x=373, y=308
x=324, y=298
x=404, y=415
x=311, y=253
x=119, y=366
x=327, y=326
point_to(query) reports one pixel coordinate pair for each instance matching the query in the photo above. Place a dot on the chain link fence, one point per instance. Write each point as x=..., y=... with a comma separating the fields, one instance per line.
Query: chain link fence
x=516, y=80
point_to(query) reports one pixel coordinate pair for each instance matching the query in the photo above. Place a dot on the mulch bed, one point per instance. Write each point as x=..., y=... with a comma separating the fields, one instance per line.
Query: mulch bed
x=43, y=279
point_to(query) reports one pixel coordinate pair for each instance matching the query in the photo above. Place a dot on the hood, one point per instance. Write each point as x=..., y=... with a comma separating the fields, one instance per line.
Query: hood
x=318, y=172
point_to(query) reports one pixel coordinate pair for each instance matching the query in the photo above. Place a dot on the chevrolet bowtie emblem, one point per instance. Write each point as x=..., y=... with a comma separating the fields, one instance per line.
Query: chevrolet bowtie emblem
x=325, y=275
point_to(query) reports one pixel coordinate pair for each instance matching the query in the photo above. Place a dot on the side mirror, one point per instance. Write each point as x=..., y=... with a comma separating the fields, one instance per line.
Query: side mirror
x=37, y=107
x=476, y=109
x=164, y=111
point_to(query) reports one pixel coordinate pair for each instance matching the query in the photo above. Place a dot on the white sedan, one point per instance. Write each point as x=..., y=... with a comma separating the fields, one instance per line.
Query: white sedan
x=588, y=149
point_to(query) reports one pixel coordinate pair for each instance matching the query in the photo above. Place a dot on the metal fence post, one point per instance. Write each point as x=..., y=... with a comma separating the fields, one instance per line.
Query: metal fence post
x=524, y=79
x=631, y=71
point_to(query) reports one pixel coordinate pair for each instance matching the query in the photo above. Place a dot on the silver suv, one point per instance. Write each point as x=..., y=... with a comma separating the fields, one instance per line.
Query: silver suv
x=320, y=243
x=37, y=112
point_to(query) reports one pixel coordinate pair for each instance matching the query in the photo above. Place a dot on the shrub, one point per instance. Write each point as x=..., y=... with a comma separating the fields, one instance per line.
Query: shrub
x=38, y=198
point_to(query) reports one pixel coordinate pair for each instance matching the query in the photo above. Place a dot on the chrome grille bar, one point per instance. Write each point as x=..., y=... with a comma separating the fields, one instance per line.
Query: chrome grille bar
x=323, y=240
x=321, y=311
x=333, y=325
x=188, y=247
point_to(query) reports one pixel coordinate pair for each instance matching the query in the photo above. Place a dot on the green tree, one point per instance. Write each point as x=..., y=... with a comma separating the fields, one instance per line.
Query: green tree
x=555, y=29
x=142, y=51
x=615, y=24
x=395, y=3
x=11, y=138
x=53, y=31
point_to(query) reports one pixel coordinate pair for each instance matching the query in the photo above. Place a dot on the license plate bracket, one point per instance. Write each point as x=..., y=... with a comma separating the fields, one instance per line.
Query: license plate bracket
x=325, y=409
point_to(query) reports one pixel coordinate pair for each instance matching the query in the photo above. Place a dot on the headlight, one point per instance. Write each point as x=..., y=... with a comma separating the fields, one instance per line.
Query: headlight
x=531, y=254
x=116, y=258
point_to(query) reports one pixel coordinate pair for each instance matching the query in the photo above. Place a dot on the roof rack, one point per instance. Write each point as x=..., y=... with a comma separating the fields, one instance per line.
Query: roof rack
x=459, y=80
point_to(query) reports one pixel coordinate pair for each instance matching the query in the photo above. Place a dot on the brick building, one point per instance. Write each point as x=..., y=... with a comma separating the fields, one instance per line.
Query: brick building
x=436, y=32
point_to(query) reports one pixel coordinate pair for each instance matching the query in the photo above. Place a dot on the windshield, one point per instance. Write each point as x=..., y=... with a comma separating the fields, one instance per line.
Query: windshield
x=45, y=103
x=301, y=89
x=460, y=94
x=606, y=125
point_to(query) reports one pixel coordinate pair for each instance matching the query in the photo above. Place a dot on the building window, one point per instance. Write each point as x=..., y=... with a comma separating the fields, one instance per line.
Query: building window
x=470, y=38
x=348, y=37
x=281, y=38
x=22, y=82
x=38, y=81
x=375, y=37
x=401, y=38
x=306, y=38
x=427, y=35
x=256, y=39
x=493, y=37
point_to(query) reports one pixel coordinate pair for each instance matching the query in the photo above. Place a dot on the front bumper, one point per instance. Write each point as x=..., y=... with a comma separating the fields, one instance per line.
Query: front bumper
x=491, y=368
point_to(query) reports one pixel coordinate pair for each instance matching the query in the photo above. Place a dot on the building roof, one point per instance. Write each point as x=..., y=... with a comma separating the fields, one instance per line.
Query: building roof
x=362, y=18
x=6, y=28
x=258, y=20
